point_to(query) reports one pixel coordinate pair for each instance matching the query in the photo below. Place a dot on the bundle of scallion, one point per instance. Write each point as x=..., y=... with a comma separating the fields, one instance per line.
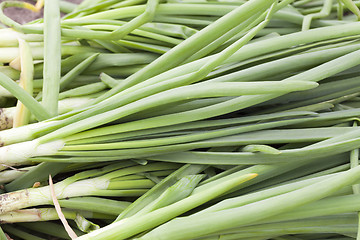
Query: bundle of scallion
x=181, y=120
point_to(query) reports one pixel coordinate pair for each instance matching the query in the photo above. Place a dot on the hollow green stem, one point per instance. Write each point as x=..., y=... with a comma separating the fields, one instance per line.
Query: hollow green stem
x=34, y=107
x=209, y=223
x=52, y=56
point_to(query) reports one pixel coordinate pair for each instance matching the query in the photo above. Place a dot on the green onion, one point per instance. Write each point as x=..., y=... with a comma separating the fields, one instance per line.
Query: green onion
x=180, y=120
x=200, y=225
x=52, y=56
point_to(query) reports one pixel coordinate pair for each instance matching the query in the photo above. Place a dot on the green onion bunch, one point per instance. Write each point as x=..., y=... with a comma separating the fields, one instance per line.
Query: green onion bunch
x=165, y=119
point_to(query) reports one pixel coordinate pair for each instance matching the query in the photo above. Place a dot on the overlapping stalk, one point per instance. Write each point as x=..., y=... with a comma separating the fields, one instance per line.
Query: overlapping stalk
x=186, y=120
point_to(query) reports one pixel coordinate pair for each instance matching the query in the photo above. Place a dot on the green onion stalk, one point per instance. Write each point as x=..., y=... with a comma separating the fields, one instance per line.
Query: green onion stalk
x=81, y=184
x=20, y=233
x=50, y=229
x=48, y=214
x=236, y=46
x=342, y=225
x=268, y=207
x=136, y=224
x=117, y=229
x=42, y=229
x=65, y=105
x=10, y=175
x=324, y=65
x=328, y=208
x=113, y=114
x=181, y=120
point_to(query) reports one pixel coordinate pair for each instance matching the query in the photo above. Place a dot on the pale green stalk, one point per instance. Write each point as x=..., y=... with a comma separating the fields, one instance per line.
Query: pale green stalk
x=237, y=103
x=340, y=10
x=173, y=95
x=82, y=91
x=22, y=114
x=180, y=190
x=241, y=28
x=159, y=189
x=336, y=224
x=73, y=74
x=34, y=107
x=95, y=204
x=294, y=170
x=266, y=149
x=261, y=195
x=204, y=224
x=168, y=9
x=204, y=70
x=95, y=135
x=9, y=38
x=23, y=133
x=52, y=56
x=49, y=214
x=233, y=158
x=238, y=31
x=349, y=4
x=325, y=11
x=327, y=171
x=65, y=105
x=67, y=7
x=109, y=81
x=11, y=53
x=328, y=206
x=10, y=175
x=301, y=2
x=90, y=9
x=354, y=162
x=285, y=41
x=82, y=185
x=154, y=36
x=309, y=72
x=295, y=155
x=291, y=63
x=182, y=51
x=146, y=16
x=130, y=226
x=182, y=138
x=46, y=214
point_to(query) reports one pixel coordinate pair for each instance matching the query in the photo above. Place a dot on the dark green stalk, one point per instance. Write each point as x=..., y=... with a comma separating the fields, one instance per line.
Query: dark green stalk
x=13, y=231
x=49, y=228
x=38, y=174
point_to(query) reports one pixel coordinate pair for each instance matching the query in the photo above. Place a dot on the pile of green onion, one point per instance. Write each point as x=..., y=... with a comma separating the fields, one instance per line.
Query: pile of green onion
x=186, y=119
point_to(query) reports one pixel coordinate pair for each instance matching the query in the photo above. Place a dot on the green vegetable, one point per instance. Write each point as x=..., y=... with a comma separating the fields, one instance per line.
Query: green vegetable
x=180, y=120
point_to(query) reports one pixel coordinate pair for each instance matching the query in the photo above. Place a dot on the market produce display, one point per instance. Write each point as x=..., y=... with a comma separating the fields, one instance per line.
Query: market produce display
x=180, y=119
